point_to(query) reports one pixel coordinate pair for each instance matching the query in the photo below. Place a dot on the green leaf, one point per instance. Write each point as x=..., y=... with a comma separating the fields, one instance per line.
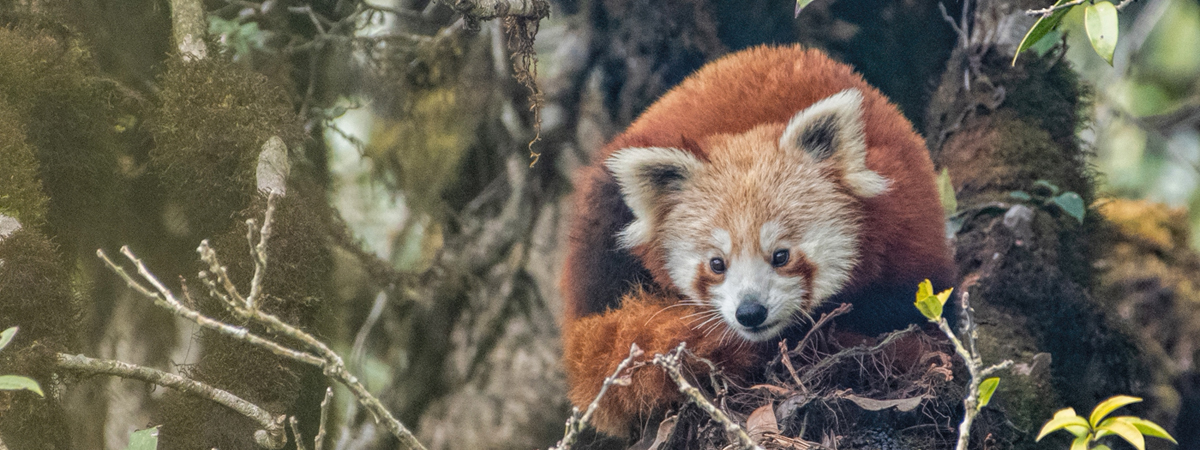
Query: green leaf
x=143, y=439
x=986, y=389
x=6, y=336
x=1020, y=195
x=17, y=382
x=800, y=4
x=1108, y=406
x=1048, y=185
x=1123, y=429
x=1043, y=26
x=1100, y=21
x=1068, y=420
x=1101, y=447
x=1072, y=204
x=930, y=307
x=925, y=289
x=1149, y=428
x=946, y=192
x=1080, y=443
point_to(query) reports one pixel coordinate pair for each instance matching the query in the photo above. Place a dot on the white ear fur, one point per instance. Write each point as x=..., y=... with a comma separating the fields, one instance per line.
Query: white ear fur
x=833, y=127
x=647, y=175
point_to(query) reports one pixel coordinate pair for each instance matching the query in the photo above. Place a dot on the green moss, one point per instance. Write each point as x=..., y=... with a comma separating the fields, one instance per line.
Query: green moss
x=35, y=296
x=48, y=81
x=20, y=191
x=211, y=122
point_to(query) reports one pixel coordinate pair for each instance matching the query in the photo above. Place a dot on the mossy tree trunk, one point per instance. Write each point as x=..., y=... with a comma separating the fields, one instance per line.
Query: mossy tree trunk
x=469, y=337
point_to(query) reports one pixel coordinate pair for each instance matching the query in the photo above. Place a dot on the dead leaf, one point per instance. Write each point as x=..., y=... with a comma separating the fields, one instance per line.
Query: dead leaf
x=777, y=390
x=762, y=420
x=870, y=404
x=665, y=428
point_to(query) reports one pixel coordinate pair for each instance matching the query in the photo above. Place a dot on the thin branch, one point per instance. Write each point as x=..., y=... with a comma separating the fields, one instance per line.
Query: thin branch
x=1046, y=11
x=171, y=304
x=328, y=360
x=577, y=423
x=296, y=433
x=319, y=442
x=672, y=364
x=259, y=251
x=272, y=434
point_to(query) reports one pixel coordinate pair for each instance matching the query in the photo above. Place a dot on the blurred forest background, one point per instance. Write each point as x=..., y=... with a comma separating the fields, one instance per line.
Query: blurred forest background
x=421, y=240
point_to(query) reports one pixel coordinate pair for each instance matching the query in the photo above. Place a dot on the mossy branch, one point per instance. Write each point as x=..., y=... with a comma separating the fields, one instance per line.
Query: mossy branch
x=189, y=26
x=272, y=435
x=221, y=286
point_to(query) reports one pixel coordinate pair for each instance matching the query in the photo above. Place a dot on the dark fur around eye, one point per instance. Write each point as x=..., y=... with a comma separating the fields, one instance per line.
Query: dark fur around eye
x=780, y=258
x=717, y=265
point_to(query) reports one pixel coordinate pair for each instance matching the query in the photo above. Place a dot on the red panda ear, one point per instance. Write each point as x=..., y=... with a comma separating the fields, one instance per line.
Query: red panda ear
x=833, y=128
x=647, y=176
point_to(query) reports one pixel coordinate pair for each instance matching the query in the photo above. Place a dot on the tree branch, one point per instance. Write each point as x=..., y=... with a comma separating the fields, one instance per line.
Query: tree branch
x=272, y=435
x=671, y=363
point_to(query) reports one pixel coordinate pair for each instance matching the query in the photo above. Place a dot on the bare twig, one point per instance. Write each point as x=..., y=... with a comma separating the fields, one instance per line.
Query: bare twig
x=318, y=354
x=319, y=442
x=974, y=366
x=272, y=434
x=169, y=302
x=577, y=422
x=671, y=362
x=1047, y=11
x=296, y=433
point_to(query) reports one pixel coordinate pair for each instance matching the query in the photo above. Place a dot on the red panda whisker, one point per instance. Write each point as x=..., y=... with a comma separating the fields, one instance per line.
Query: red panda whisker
x=652, y=316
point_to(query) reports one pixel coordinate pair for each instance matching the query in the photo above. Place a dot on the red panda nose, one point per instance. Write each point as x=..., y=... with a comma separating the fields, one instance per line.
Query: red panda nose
x=751, y=313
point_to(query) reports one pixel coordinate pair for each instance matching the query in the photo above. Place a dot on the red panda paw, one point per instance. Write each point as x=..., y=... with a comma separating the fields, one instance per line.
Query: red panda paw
x=595, y=345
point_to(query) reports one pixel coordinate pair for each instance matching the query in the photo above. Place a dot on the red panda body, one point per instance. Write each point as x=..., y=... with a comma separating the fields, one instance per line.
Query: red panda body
x=768, y=185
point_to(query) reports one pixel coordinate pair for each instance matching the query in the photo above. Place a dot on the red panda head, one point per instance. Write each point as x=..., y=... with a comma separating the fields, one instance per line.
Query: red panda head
x=765, y=225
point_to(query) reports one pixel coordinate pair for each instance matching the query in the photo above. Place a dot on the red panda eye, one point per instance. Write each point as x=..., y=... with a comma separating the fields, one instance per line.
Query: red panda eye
x=717, y=265
x=780, y=258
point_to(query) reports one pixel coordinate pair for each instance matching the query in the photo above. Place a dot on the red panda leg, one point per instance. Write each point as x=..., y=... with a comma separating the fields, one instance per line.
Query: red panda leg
x=595, y=345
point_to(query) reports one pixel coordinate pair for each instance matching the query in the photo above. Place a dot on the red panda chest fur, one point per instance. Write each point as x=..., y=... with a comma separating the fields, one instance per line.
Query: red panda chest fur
x=769, y=185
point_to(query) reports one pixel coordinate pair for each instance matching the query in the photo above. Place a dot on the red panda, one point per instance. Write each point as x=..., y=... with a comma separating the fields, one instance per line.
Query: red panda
x=772, y=183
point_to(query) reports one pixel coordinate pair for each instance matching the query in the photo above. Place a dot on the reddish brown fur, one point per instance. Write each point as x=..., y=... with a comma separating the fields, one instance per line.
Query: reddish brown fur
x=657, y=323
x=902, y=238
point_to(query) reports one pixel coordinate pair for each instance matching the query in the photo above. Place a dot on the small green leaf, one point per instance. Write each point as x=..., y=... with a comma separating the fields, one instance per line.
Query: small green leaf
x=6, y=336
x=17, y=382
x=1101, y=447
x=800, y=4
x=1048, y=185
x=1044, y=25
x=925, y=289
x=1107, y=406
x=986, y=389
x=1020, y=195
x=1100, y=21
x=1068, y=420
x=946, y=192
x=1080, y=443
x=1123, y=429
x=143, y=439
x=930, y=307
x=1072, y=204
x=1149, y=428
